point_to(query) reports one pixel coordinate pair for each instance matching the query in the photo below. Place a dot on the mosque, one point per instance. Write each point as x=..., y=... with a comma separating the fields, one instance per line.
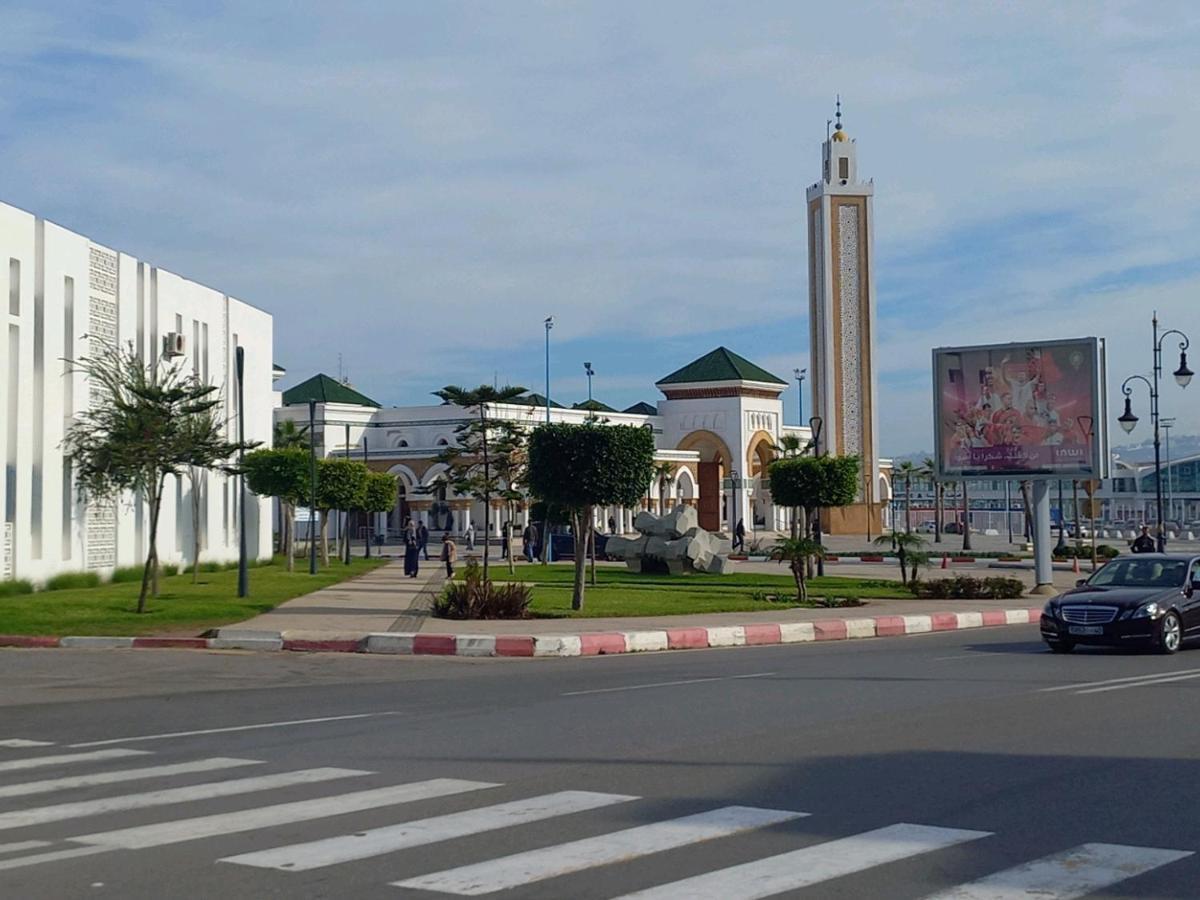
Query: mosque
x=720, y=420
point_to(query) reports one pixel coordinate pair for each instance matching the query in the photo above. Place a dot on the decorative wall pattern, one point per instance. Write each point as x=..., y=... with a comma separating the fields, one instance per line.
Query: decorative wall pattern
x=102, y=335
x=851, y=341
x=6, y=553
x=817, y=320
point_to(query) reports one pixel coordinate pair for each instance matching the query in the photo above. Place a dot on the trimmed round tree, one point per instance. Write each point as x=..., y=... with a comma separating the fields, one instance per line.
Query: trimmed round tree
x=580, y=467
x=378, y=496
x=814, y=482
x=283, y=474
x=340, y=483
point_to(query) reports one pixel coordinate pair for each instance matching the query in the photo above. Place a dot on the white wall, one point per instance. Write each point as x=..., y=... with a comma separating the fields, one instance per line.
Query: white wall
x=117, y=298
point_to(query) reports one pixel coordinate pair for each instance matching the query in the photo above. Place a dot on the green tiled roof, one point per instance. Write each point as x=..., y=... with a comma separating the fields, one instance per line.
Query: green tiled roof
x=324, y=389
x=720, y=365
x=535, y=400
x=593, y=406
x=642, y=409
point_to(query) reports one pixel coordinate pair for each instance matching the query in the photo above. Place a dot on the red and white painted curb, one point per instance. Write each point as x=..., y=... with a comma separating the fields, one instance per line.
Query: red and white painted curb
x=590, y=643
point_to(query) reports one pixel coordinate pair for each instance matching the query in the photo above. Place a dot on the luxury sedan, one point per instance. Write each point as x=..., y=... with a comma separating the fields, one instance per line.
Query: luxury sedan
x=1144, y=600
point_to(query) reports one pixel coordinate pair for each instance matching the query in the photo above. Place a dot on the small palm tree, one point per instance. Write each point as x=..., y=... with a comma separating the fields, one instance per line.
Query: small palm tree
x=289, y=436
x=907, y=544
x=664, y=474
x=929, y=470
x=908, y=471
x=797, y=552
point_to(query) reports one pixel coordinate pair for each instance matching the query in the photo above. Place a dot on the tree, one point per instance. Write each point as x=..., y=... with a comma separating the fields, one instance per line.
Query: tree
x=909, y=549
x=966, y=514
x=664, y=474
x=1027, y=506
x=580, y=467
x=797, y=552
x=284, y=475
x=907, y=470
x=929, y=470
x=790, y=445
x=202, y=432
x=814, y=482
x=290, y=436
x=141, y=429
x=378, y=496
x=340, y=483
x=473, y=461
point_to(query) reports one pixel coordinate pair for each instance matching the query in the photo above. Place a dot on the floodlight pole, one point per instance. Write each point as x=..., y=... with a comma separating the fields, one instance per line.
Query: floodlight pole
x=312, y=486
x=243, y=567
x=549, y=324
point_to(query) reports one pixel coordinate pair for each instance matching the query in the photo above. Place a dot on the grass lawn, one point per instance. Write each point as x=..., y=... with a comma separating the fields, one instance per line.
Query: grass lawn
x=619, y=592
x=181, y=607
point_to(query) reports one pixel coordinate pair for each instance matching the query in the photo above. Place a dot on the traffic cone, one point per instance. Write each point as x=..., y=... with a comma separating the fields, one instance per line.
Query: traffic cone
x=1075, y=568
x=945, y=562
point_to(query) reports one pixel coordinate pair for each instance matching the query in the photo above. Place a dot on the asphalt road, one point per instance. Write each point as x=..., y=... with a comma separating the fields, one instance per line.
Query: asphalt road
x=895, y=768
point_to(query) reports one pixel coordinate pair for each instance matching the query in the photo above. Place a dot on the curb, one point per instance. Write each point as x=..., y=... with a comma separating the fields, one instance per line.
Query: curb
x=595, y=643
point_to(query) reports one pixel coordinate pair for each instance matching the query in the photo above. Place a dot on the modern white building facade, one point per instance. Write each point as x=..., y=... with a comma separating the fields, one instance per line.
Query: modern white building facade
x=67, y=297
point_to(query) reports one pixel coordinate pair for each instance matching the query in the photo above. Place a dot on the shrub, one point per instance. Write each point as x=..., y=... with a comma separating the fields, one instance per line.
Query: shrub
x=1103, y=551
x=13, y=588
x=474, y=598
x=168, y=569
x=68, y=580
x=964, y=587
x=126, y=573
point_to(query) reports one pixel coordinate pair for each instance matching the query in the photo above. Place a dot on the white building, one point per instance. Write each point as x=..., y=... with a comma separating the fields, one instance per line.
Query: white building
x=68, y=297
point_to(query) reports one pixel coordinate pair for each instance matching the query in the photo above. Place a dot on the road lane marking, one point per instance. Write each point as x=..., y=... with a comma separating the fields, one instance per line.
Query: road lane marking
x=232, y=728
x=1137, y=684
x=656, y=684
x=1089, y=684
x=631, y=843
x=23, y=845
x=19, y=862
x=63, y=759
x=23, y=818
x=1068, y=875
x=963, y=656
x=59, y=784
x=21, y=743
x=811, y=865
x=389, y=839
x=163, y=833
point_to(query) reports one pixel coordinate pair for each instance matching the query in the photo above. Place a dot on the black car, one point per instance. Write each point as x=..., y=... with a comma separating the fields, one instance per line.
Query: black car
x=1144, y=599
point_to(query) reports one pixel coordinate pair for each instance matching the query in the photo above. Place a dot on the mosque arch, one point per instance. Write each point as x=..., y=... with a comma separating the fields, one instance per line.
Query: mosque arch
x=715, y=462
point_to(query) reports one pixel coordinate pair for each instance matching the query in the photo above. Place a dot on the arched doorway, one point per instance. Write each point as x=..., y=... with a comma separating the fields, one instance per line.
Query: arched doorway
x=714, y=462
x=759, y=455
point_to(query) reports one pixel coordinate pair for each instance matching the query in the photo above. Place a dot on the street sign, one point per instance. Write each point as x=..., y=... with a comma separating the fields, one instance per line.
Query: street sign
x=1090, y=487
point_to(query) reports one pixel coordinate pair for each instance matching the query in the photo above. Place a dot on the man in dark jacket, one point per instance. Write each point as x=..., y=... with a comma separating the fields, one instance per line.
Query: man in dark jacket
x=1144, y=543
x=423, y=540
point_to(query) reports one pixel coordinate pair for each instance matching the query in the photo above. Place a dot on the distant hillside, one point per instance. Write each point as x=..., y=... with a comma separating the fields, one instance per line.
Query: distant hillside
x=1181, y=445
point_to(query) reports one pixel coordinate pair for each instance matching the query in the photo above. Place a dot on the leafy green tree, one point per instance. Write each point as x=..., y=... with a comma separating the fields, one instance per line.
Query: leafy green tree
x=378, y=496
x=791, y=445
x=909, y=549
x=144, y=425
x=476, y=460
x=798, y=552
x=814, y=482
x=283, y=474
x=290, y=436
x=580, y=467
x=340, y=483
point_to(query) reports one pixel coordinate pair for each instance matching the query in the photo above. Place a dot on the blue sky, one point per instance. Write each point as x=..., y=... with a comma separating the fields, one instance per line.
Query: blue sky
x=417, y=185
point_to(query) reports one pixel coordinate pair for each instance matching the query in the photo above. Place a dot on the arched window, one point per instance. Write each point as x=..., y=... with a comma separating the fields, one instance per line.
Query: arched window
x=442, y=442
x=401, y=443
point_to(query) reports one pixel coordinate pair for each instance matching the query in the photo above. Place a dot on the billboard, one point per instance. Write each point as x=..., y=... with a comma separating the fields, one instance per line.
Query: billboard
x=1021, y=411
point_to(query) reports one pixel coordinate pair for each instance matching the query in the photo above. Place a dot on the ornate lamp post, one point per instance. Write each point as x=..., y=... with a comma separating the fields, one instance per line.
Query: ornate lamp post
x=1127, y=420
x=587, y=367
x=549, y=324
x=814, y=425
x=800, y=375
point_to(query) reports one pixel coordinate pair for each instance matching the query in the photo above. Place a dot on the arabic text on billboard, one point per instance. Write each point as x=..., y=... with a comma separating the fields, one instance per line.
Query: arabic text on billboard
x=1019, y=409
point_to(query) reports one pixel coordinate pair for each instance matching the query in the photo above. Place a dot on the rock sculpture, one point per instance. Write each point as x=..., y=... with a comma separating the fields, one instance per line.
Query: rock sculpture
x=673, y=543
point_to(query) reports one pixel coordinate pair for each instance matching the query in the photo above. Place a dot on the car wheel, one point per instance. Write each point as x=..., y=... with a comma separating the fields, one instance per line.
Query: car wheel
x=1060, y=646
x=1170, y=633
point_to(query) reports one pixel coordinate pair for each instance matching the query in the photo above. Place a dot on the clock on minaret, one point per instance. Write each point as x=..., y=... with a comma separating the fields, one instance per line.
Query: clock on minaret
x=842, y=322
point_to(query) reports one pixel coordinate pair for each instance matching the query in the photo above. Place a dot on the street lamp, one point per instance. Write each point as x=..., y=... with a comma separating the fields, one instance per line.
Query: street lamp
x=1127, y=420
x=587, y=367
x=1167, y=425
x=814, y=425
x=312, y=486
x=800, y=374
x=549, y=324
x=243, y=573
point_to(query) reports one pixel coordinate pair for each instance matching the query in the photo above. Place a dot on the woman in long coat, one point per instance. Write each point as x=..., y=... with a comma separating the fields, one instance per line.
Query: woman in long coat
x=412, y=550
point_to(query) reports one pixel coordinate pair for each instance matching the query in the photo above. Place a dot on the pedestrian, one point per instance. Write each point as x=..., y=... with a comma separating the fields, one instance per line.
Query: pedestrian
x=1143, y=543
x=423, y=540
x=504, y=542
x=449, y=554
x=612, y=525
x=529, y=539
x=471, y=534
x=739, y=536
x=412, y=550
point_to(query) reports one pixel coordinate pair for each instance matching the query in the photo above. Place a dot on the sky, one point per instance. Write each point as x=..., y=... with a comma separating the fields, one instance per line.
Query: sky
x=416, y=185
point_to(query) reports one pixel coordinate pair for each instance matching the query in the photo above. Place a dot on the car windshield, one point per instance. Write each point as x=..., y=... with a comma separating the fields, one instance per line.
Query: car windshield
x=1160, y=573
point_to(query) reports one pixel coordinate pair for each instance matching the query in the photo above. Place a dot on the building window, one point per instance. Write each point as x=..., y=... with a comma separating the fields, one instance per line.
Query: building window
x=843, y=167
x=14, y=287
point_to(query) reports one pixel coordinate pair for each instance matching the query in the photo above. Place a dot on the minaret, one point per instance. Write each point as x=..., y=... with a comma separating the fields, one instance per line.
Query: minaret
x=842, y=320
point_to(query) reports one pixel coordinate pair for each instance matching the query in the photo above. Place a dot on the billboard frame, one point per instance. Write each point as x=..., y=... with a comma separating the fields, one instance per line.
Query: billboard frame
x=1099, y=443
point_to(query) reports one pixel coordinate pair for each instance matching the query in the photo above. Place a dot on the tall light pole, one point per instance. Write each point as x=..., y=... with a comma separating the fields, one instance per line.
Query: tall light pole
x=1127, y=420
x=243, y=567
x=1167, y=425
x=312, y=485
x=587, y=367
x=549, y=324
x=800, y=374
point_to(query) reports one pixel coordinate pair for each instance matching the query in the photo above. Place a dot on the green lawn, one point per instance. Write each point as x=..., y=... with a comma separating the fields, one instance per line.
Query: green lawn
x=181, y=607
x=619, y=592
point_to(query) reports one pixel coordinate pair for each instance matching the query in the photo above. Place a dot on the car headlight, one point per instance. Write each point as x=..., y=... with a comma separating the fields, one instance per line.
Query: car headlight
x=1048, y=610
x=1146, y=611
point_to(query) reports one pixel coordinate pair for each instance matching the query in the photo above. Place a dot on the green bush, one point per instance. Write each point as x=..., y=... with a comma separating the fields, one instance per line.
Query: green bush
x=965, y=587
x=127, y=573
x=168, y=569
x=69, y=580
x=1103, y=551
x=474, y=598
x=13, y=588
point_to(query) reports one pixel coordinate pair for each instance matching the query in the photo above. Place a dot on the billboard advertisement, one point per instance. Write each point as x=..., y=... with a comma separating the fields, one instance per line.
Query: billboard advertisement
x=1021, y=411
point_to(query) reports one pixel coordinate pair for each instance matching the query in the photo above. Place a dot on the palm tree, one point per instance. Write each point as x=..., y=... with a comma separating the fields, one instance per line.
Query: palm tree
x=798, y=552
x=929, y=470
x=908, y=471
x=908, y=550
x=1027, y=504
x=664, y=474
x=966, y=514
x=289, y=436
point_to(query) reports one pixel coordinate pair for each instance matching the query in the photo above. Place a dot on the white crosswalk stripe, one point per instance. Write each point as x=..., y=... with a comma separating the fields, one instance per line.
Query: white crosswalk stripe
x=77, y=781
x=21, y=743
x=20, y=862
x=22, y=845
x=811, y=865
x=377, y=841
x=163, y=833
x=551, y=862
x=63, y=759
x=23, y=818
x=1068, y=875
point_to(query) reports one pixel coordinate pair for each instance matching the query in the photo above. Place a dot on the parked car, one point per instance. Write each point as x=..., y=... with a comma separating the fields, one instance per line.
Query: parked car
x=929, y=526
x=1147, y=599
x=952, y=528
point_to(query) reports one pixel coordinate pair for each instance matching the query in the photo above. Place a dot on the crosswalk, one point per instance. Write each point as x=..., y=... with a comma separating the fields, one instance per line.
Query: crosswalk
x=150, y=793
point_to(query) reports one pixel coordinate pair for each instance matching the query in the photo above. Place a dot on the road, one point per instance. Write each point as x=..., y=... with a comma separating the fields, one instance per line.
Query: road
x=894, y=768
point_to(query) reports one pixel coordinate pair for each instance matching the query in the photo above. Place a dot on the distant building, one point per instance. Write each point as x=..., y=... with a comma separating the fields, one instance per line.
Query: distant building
x=69, y=297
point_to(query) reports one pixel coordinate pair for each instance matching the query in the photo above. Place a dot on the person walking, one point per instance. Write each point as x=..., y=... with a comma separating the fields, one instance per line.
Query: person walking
x=739, y=535
x=504, y=541
x=471, y=534
x=529, y=539
x=1143, y=543
x=612, y=525
x=449, y=553
x=423, y=540
x=412, y=550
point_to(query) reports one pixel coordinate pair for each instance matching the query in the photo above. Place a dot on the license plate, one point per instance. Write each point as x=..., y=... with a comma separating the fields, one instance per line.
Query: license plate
x=1085, y=629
